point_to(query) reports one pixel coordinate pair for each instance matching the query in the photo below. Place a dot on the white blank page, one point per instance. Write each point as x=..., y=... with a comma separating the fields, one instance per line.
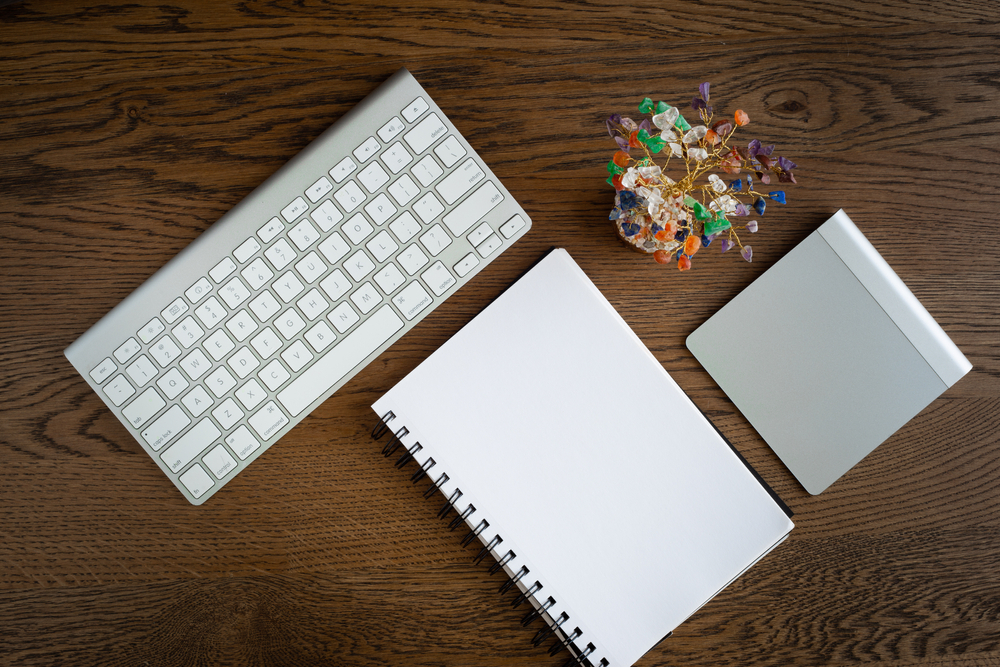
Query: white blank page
x=588, y=459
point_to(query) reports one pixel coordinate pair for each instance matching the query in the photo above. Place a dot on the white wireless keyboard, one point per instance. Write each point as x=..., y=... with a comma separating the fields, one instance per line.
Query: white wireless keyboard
x=284, y=299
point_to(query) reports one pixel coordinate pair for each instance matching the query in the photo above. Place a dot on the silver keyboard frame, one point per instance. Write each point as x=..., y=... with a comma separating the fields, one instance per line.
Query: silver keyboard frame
x=243, y=221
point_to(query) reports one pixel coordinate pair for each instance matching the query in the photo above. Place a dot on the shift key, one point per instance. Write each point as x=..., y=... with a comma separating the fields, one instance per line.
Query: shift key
x=191, y=444
x=473, y=209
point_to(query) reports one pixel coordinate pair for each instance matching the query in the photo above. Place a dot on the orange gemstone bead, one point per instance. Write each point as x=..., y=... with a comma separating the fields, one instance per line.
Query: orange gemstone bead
x=616, y=181
x=662, y=256
x=692, y=244
x=684, y=263
x=620, y=158
x=741, y=117
x=711, y=138
x=633, y=140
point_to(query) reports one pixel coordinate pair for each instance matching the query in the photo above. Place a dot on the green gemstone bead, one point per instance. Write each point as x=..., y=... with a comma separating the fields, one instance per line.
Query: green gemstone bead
x=643, y=136
x=614, y=168
x=682, y=124
x=661, y=106
x=700, y=211
x=716, y=225
x=689, y=201
x=646, y=105
x=655, y=144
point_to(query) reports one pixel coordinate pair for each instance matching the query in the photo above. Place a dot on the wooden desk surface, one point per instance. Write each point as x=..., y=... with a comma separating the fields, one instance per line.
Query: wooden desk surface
x=126, y=129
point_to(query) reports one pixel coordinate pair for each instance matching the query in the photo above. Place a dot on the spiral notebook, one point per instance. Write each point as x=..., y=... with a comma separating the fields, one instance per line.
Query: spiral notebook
x=609, y=500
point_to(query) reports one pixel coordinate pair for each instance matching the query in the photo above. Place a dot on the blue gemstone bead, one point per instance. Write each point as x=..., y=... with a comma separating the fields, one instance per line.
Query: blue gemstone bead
x=759, y=204
x=777, y=195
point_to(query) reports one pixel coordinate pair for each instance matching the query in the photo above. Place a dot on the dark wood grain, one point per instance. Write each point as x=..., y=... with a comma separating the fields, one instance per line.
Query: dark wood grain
x=125, y=130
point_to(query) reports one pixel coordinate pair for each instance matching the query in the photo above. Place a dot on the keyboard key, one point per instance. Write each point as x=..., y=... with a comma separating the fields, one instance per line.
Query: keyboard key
x=289, y=323
x=172, y=384
x=303, y=235
x=257, y=274
x=428, y=208
x=297, y=356
x=312, y=304
x=318, y=189
x=396, y=157
x=268, y=232
x=380, y=209
x=241, y=325
x=403, y=190
x=412, y=259
x=142, y=409
x=219, y=461
x=234, y=292
x=373, y=177
x=382, y=246
x=176, y=308
x=405, y=227
x=220, y=382
x=414, y=109
x=265, y=306
x=288, y=286
x=450, y=151
x=103, y=370
x=251, y=394
x=428, y=131
x=246, y=250
x=280, y=254
x=413, y=299
x=187, y=332
x=473, y=209
x=435, y=240
x=343, y=170
x=227, y=414
x=222, y=270
x=366, y=150
x=334, y=248
x=152, y=329
x=164, y=429
x=427, y=170
x=274, y=375
x=320, y=337
x=512, y=226
x=196, y=481
x=243, y=362
x=190, y=445
x=211, y=312
x=310, y=267
x=335, y=285
x=438, y=278
x=164, y=351
x=141, y=371
x=389, y=278
x=479, y=234
x=388, y=131
x=359, y=265
x=196, y=364
x=242, y=442
x=366, y=297
x=266, y=343
x=127, y=350
x=198, y=291
x=327, y=215
x=219, y=345
x=295, y=209
x=460, y=181
x=338, y=362
x=350, y=196
x=197, y=400
x=343, y=317
x=467, y=263
x=268, y=420
x=487, y=247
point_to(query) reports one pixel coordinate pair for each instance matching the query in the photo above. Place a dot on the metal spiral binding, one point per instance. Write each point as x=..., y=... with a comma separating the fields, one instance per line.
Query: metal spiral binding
x=578, y=657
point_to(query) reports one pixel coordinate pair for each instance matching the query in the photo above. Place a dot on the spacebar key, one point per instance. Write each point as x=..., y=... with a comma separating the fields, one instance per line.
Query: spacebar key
x=341, y=360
